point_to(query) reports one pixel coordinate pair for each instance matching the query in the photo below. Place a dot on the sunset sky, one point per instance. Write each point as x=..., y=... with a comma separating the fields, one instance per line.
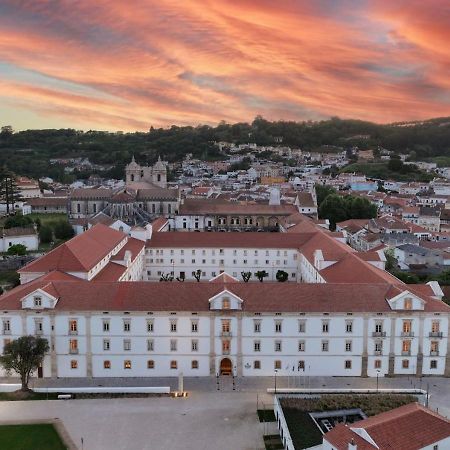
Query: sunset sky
x=127, y=65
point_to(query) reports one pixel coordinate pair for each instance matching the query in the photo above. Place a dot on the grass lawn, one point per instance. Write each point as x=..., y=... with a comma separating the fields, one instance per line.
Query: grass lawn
x=46, y=218
x=30, y=437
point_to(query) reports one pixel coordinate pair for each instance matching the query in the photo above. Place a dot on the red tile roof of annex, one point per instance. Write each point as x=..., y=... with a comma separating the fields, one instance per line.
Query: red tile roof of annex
x=409, y=427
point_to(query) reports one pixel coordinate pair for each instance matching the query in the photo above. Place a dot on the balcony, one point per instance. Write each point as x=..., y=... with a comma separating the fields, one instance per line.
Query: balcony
x=39, y=332
x=436, y=334
x=434, y=353
x=379, y=334
x=378, y=352
x=73, y=351
x=225, y=352
x=226, y=334
x=73, y=332
x=407, y=334
x=406, y=353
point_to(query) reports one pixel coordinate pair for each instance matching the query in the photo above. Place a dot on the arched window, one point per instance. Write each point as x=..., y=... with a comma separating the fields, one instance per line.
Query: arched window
x=226, y=303
x=159, y=177
x=132, y=177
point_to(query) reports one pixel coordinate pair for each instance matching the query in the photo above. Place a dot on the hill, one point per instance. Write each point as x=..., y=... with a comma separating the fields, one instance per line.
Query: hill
x=28, y=152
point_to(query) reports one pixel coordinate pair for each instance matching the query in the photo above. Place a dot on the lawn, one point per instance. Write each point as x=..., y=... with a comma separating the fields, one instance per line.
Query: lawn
x=30, y=437
x=48, y=218
x=266, y=415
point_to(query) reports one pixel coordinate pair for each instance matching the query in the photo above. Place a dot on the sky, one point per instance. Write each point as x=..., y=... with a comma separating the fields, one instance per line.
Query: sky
x=128, y=65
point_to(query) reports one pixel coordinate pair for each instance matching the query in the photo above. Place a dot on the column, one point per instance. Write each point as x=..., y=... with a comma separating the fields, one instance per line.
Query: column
x=419, y=364
x=392, y=338
x=365, y=358
x=212, y=352
x=53, y=357
x=88, y=346
x=239, y=345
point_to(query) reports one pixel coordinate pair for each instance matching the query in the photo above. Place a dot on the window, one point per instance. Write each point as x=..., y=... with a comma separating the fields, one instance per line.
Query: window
x=38, y=326
x=379, y=327
x=406, y=326
x=433, y=364
x=405, y=364
x=377, y=364
x=73, y=346
x=150, y=326
x=257, y=346
x=106, y=344
x=324, y=346
x=349, y=326
x=348, y=346
x=407, y=303
x=348, y=364
x=173, y=345
x=127, y=325
x=302, y=326
x=278, y=346
x=277, y=364
x=150, y=364
x=127, y=364
x=406, y=347
x=226, y=303
x=194, y=326
x=378, y=346
x=278, y=326
x=127, y=345
x=73, y=326
x=257, y=364
x=225, y=326
x=301, y=365
x=194, y=345
x=173, y=326
x=37, y=301
x=105, y=325
x=225, y=347
x=194, y=364
x=150, y=345
x=325, y=326
x=107, y=364
x=434, y=347
x=74, y=364
x=301, y=346
x=257, y=326
x=173, y=364
x=435, y=326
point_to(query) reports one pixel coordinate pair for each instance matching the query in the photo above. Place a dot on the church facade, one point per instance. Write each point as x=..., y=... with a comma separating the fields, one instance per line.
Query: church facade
x=155, y=175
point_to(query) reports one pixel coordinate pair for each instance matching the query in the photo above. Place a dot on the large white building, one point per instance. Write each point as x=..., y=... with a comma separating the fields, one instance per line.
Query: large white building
x=340, y=314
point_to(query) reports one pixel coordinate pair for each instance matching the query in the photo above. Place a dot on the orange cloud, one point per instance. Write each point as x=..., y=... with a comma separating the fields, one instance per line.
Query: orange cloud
x=131, y=65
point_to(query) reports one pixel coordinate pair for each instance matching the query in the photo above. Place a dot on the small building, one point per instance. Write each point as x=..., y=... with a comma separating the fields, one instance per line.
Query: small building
x=23, y=236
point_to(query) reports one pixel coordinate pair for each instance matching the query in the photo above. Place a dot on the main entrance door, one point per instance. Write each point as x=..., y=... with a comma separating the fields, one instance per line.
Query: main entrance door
x=40, y=372
x=226, y=367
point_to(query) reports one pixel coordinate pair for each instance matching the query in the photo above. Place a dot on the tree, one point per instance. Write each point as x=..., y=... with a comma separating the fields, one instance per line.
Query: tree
x=282, y=276
x=18, y=221
x=322, y=192
x=197, y=275
x=166, y=277
x=45, y=234
x=17, y=249
x=24, y=355
x=333, y=209
x=9, y=193
x=63, y=230
x=261, y=274
x=395, y=164
x=246, y=276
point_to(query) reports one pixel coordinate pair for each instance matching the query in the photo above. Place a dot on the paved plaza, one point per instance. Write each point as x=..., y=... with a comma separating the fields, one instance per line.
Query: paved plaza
x=208, y=419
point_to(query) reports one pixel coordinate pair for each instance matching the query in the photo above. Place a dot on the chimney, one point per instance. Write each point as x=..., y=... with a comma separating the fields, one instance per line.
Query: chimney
x=352, y=445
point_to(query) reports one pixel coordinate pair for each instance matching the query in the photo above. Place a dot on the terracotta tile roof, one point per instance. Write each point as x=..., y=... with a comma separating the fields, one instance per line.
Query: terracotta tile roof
x=227, y=240
x=91, y=193
x=207, y=206
x=193, y=296
x=306, y=199
x=409, y=427
x=224, y=278
x=47, y=201
x=80, y=254
x=101, y=218
x=157, y=193
x=158, y=223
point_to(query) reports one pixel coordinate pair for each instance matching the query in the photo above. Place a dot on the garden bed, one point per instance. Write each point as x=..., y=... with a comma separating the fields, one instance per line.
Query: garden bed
x=30, y=437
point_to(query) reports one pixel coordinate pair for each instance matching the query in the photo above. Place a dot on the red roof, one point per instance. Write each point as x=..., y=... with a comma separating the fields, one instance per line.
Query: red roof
x=80, y=254
x=193, y=296
x=409, y=427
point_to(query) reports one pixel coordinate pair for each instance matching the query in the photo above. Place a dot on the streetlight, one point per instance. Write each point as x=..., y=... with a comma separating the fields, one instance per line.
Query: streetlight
x=378, y=373
x=275, y=380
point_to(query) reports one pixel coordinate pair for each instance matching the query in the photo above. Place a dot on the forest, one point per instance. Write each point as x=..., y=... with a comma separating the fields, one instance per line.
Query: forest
x=28, y=152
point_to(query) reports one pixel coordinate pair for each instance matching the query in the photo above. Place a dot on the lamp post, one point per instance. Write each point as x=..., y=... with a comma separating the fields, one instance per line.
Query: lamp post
x=275, y=380
x=378, y=373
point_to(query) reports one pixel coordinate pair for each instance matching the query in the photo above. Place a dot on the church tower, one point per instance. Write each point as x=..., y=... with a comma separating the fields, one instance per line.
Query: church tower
x=133, y=172
x=159, y=174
